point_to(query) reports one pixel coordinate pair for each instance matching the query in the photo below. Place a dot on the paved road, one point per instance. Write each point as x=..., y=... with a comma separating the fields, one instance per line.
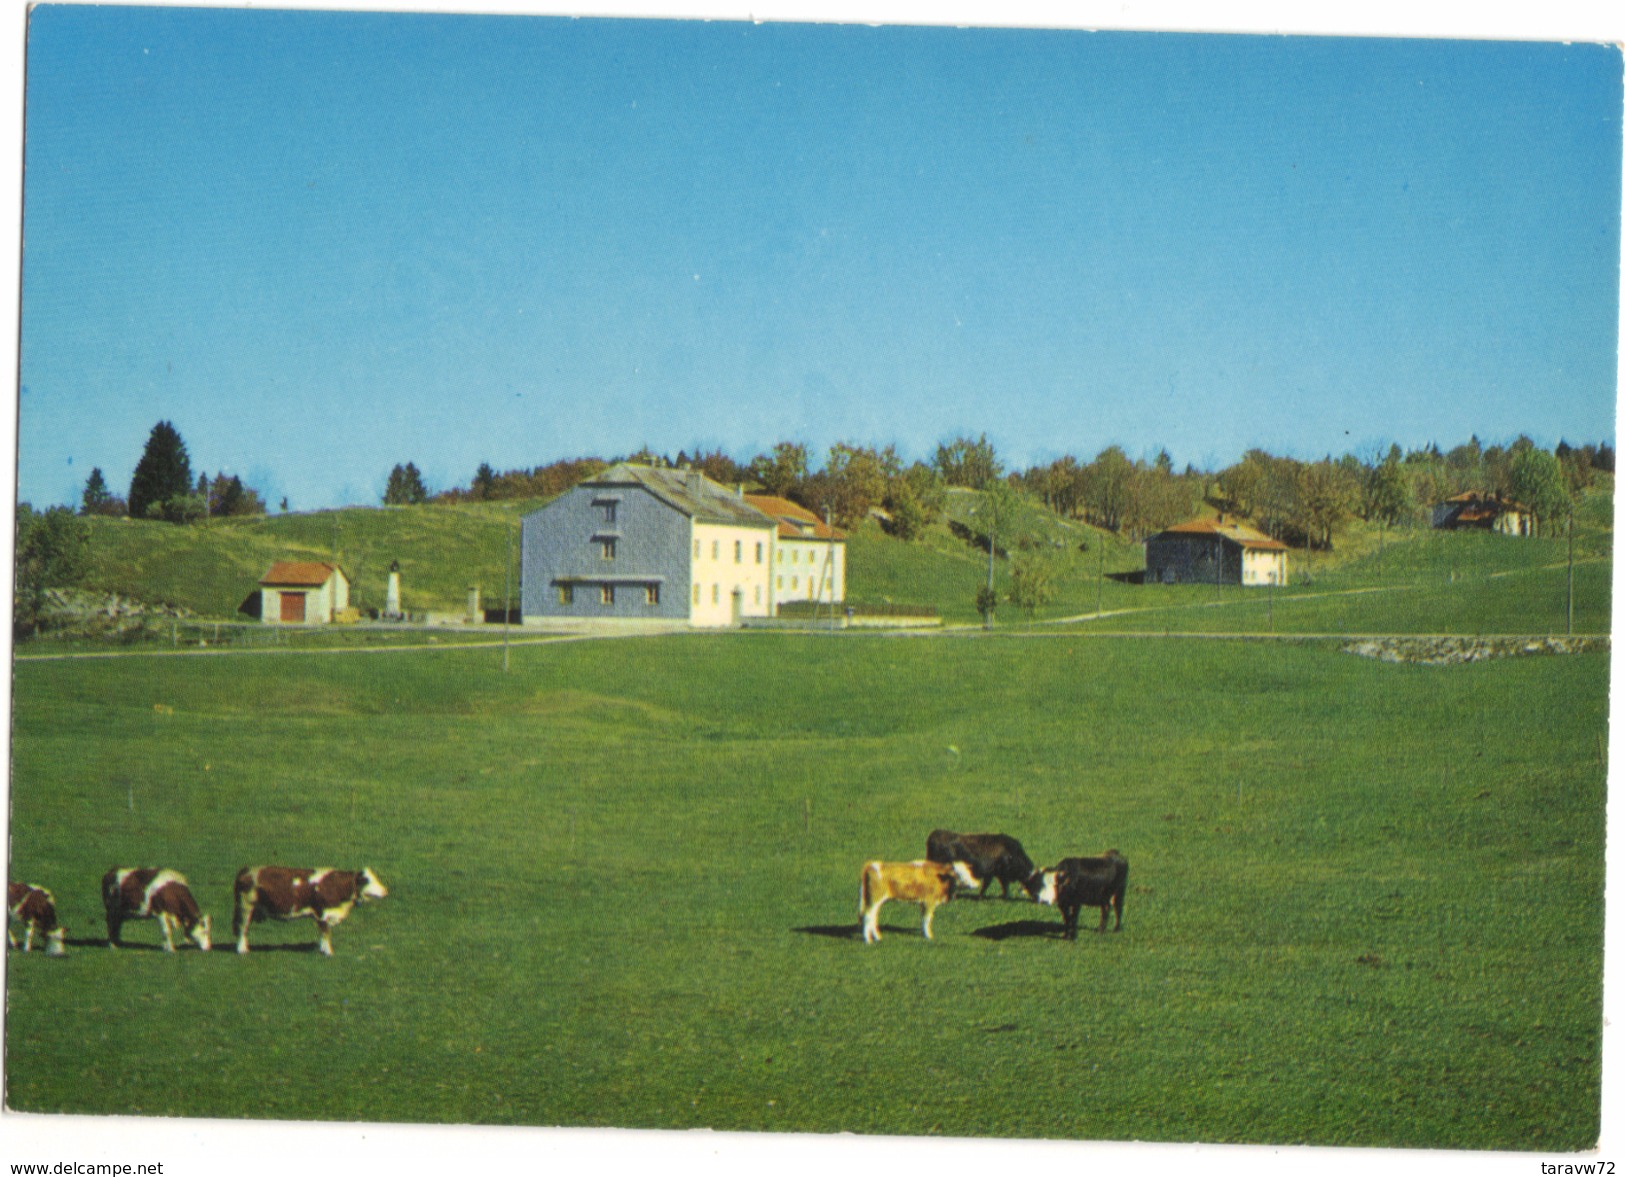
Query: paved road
x=966, y=629
x=492, y=644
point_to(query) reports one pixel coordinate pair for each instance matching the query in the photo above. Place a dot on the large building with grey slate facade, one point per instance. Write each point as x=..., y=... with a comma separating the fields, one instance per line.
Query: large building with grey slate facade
x=646, y=543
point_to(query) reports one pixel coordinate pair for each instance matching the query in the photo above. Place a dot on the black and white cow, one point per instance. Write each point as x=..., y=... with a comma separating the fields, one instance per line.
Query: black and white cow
x=990, y=857
x=1075, y=883
x=289, y=893
x=144, y=893
x=33, y=909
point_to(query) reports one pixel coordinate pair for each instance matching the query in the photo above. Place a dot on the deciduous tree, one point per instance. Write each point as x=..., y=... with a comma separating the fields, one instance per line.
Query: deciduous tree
x=1535, y=479
x=781, y=471
x=967, y=463
x=1032, y=583
x=52, y=552
x=1388, y=492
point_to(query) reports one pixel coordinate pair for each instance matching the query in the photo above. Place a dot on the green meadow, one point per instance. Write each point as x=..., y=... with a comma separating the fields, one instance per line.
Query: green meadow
x=1365, y=903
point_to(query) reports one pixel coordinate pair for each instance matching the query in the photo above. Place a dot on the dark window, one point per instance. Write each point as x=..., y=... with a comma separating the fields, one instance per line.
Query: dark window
x=652, y=594
x=607, y=594
x=606, y=548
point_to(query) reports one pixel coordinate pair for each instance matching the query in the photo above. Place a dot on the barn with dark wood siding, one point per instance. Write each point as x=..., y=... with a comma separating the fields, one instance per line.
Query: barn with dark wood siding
x=1483, y=512
x=1214, y=551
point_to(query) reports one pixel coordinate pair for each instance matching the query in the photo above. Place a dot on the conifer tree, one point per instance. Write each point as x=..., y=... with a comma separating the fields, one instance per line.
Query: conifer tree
x=97, y=497
x=405, y=487
x=163, y=473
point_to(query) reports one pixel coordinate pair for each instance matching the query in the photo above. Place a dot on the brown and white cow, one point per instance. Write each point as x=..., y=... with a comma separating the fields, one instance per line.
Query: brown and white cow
x=144, y=893
x=288, y=893
x=930, y=884
x=34, y=910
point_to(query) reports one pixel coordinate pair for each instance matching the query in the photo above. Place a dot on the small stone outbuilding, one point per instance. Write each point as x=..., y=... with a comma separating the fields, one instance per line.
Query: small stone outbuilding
x=297, y=592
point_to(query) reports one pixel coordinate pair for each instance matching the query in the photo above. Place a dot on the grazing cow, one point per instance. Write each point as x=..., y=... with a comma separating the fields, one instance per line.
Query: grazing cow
x=930, y=884
x=990, y=856
x=289, y=893
x=34, y=909
x=1074, y=883
x=144, y=893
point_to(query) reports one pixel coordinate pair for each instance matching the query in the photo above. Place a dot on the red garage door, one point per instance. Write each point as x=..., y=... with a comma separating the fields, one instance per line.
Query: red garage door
x=293, y=606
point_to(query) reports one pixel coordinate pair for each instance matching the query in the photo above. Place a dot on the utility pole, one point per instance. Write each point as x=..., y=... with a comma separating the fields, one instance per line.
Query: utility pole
x=507, y=597
x=829, y=570
x=1571, y=571
x=992, y=546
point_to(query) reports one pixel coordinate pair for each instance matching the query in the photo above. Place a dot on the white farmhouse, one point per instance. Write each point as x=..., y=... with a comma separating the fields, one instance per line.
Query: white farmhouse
x=809, y=556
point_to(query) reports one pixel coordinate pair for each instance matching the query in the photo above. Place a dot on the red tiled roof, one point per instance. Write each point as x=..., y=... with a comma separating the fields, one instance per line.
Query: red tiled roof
x=795, y=521
x=299, y=574
x=1236, y=533
x=1492, y=504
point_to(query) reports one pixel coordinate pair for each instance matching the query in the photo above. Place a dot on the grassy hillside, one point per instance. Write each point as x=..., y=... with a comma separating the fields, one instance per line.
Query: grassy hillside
x=1461, y=582
x=1477, y=582
x=1365, y=900
x=210, y=569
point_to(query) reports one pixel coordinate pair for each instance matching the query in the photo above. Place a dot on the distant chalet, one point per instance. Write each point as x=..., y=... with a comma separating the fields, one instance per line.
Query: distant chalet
x=1214, y=551
x=296, y=592
x=1475, y=511
x=647, y=543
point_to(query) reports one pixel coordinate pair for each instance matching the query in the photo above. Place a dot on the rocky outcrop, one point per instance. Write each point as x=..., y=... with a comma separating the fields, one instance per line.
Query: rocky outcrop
x=1451, y=651
x=77, y=603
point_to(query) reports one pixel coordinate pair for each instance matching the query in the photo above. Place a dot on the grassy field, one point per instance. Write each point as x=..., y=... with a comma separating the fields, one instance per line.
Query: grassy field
x=1365, y=901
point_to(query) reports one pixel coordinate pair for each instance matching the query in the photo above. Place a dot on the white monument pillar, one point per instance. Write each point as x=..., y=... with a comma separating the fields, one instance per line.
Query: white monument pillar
x=392, y=601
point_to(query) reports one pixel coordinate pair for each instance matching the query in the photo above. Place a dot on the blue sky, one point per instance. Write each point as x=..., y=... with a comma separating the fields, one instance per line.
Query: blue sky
x=322, y=243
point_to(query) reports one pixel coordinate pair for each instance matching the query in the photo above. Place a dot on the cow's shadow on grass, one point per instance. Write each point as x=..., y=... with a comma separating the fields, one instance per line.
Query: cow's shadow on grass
x=855, y=931
x=1020, y=928
x=834, y=931
x=127, y=945
x=100, y=942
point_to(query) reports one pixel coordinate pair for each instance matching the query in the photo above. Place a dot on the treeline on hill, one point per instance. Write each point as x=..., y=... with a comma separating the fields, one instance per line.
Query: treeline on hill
x=1294, y=501
x=162, y=487
x=1300, y=503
